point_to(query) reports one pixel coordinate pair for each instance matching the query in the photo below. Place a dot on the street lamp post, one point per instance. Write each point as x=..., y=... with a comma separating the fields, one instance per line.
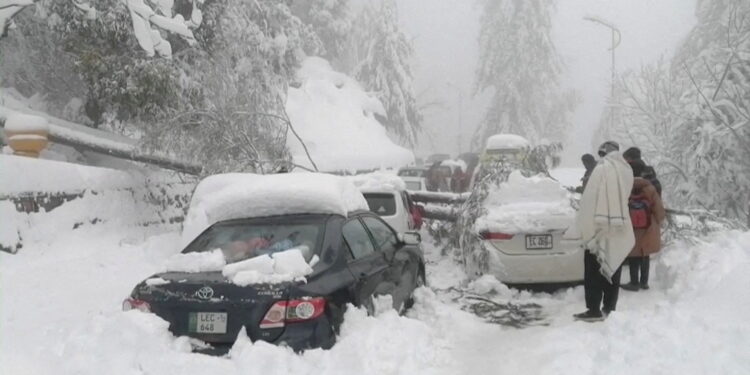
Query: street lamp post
x=616, y=39
x=460, y=112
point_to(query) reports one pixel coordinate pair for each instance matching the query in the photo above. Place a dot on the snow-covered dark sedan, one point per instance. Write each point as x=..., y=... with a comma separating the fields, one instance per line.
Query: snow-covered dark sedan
x=245, y=273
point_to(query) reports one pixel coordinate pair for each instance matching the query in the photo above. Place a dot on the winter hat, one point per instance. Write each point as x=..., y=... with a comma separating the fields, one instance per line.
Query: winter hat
x=638, y=167
x=588, y=160
x=608, y=147
x=633, y=153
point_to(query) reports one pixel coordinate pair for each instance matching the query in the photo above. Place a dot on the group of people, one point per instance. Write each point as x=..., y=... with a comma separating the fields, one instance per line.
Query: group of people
x=619, y=221
x=443, y=178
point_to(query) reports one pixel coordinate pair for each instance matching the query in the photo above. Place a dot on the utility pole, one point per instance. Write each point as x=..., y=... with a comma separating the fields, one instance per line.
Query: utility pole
x=460, y=117
x=616, y=39
x=459, y=137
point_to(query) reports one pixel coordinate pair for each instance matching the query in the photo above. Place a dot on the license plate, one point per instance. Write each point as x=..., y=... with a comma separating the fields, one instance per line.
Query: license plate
x=538, y=241
x=207, y=322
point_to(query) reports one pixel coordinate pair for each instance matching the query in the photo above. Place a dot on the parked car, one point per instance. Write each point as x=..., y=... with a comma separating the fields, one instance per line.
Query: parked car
x=415, y=183
x=387, y=196
x=353, y=256
x=395, y=208
x=412, y=172
x=414, y=178
x=517, y=234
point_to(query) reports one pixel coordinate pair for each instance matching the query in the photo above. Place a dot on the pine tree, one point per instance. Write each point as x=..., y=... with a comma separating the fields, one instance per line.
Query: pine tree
x=381, y=55
x=331, y=20
x=518, y=61
x=248, y=53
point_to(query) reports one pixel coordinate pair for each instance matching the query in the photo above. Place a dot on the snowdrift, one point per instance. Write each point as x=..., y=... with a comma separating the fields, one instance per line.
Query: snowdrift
x=336, y=119
x=70, y=196
x=692, y=321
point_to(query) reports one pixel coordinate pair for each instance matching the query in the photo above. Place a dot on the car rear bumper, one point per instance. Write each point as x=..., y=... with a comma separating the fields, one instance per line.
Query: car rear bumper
x=562, y=267
x=317, y=333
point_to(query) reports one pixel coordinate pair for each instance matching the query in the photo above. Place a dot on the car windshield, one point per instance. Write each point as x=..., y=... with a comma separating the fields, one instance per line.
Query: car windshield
x=244, y=240
x=383, y=204
x=413, y=185
x=411, y=173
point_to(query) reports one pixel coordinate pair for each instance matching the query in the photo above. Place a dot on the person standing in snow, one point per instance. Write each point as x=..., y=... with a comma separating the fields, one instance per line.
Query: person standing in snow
x=646, y=225
x=589, y=162
x=603, y=225
x=634, y=154
x=433, y=177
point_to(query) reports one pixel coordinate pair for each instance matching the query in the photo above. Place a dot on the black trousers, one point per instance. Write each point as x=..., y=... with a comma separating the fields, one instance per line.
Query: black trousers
x=636, y=265
x=597, y=287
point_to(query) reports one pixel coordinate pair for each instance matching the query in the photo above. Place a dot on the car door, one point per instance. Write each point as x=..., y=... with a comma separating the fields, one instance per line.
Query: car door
x=368, y=265
x=403, y=270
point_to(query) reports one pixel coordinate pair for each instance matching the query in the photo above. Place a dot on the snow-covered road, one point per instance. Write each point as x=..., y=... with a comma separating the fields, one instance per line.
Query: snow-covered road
x=60, y=314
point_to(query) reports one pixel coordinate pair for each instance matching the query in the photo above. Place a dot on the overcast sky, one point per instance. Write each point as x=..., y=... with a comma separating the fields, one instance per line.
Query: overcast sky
x=444, y=33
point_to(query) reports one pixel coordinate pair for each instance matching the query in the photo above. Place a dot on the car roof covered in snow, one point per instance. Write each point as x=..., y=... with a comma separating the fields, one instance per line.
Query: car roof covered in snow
x=506, y=141
x=378, y=182
x=245, y=195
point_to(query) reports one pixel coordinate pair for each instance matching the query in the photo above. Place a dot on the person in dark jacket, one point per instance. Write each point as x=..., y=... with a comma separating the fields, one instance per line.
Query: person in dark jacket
x=589, y=162
x=647, y=240
x=634, y=154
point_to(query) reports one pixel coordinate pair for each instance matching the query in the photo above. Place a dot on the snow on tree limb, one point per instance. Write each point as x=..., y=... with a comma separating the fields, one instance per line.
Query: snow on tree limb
x=142, y=14
x=8, y=9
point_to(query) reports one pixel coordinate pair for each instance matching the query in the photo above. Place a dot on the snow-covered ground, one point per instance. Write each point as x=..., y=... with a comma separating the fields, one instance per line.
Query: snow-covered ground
x=60, y=314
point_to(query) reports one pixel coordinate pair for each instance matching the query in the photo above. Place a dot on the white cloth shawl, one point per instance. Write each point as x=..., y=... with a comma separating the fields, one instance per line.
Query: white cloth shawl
x=603, y=220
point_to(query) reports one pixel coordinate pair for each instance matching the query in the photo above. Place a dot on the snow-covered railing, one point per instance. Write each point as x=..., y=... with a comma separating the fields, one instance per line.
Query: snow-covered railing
x=84, y=138
x=55, y=197
x=438, y=197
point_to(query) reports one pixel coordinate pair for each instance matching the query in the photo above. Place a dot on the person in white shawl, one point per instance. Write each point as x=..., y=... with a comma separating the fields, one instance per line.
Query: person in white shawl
x=606, y=233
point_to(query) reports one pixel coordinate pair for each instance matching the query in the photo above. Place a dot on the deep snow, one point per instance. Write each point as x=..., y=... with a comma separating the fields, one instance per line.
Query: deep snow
x=336, y=118
x=60, y=314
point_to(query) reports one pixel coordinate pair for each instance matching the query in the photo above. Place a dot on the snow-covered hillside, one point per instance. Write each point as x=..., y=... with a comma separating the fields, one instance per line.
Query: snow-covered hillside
x=335, y=118
x=60, y=314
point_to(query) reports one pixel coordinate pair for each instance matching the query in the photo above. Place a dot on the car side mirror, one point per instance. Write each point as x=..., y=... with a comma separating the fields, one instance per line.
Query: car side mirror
x=410, y=238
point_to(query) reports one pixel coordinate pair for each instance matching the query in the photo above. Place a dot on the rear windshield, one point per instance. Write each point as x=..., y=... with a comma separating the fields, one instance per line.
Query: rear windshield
x=383, y=204
x=244, y=240
x=413, y=185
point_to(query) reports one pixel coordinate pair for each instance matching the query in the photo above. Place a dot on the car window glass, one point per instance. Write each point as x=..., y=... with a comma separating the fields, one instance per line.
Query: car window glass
x=381, y=232
x=383, y=204
x=357, y=238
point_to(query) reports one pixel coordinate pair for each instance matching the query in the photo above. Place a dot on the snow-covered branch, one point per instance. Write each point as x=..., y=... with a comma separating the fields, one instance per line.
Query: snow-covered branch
x=148, y=24
x=8, y=9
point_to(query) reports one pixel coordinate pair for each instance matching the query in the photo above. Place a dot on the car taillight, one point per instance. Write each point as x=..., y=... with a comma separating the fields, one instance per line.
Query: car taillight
x=495, y=236
x=135, y=304
x=293, y=311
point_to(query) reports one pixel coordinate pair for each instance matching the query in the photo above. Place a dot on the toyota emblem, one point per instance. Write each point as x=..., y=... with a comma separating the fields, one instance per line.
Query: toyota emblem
x=205, y=293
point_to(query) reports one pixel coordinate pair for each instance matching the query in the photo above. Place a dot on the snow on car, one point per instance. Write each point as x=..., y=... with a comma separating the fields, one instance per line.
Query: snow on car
x=278, y=257
x=414, y=178
x=523, y=229
x=516, y=234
